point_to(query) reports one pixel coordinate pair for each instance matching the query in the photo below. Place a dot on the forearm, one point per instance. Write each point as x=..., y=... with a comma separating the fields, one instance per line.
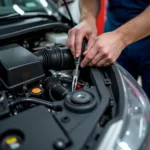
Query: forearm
x=136, y=29
x=89, y=9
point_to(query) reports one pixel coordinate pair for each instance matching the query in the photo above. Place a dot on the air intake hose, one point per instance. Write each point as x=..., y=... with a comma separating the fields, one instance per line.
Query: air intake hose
x=54, y=89
x=56, y=58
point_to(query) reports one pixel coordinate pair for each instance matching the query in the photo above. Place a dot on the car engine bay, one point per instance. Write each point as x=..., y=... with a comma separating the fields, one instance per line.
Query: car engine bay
x=36, y=102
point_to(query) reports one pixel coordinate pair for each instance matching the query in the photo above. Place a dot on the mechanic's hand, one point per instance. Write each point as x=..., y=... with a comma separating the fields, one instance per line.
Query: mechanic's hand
x=86, y=28
x=105, y=50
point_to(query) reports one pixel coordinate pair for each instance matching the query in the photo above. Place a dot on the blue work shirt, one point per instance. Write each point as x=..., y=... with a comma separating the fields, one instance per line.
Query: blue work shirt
x=136, y=57
x=121, y=11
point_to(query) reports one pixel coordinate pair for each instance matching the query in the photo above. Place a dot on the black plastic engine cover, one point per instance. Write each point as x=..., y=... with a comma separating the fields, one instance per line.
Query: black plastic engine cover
x=18, y=66
x=75, y=127
x=35, y=129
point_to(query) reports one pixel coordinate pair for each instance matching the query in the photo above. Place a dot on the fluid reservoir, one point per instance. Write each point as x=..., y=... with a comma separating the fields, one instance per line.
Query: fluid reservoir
x=57, y=38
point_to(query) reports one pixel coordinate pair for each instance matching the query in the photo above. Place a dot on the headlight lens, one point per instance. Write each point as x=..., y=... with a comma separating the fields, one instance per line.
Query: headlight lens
x=137, y=120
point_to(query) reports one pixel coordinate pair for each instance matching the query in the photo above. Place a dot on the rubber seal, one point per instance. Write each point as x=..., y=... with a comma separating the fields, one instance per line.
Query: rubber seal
x=87, y=104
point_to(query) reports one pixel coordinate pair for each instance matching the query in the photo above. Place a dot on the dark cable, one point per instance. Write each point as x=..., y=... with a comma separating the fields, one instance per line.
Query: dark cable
x=32, y=101
x=65, y=3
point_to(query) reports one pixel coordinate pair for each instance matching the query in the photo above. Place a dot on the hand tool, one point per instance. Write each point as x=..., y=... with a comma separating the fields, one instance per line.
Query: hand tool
x=77, y=64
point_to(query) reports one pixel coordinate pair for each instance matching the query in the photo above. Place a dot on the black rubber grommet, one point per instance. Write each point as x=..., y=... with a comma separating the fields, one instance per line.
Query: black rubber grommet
x=81, y=104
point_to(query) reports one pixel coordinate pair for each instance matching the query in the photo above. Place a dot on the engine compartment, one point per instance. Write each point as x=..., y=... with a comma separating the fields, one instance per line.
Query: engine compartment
x=43, y=72
x=37, y=69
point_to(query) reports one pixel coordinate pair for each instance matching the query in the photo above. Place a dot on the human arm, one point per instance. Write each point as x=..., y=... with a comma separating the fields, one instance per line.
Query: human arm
x=108, y=46
x=89, y=8
x=137, y=28
x=86, y=28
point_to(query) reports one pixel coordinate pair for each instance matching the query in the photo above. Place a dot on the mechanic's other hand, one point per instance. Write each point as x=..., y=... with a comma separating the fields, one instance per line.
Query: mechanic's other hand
x=87, y=29
x=105, y=50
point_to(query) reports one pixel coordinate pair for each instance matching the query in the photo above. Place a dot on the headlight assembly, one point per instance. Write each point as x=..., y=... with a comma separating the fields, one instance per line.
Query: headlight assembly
x=137, y=121
x=132, y=129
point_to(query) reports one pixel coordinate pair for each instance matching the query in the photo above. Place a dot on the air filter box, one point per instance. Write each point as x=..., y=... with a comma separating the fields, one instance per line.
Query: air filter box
x=18, y=66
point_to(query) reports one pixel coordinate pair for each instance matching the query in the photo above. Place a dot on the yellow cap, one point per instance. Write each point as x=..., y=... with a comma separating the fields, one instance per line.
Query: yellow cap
x=11, y=140
x=36, y=90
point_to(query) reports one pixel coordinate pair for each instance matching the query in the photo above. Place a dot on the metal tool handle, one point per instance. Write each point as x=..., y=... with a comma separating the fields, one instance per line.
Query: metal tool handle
x=77, y=63
x=79, y=59
x=84, y=44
